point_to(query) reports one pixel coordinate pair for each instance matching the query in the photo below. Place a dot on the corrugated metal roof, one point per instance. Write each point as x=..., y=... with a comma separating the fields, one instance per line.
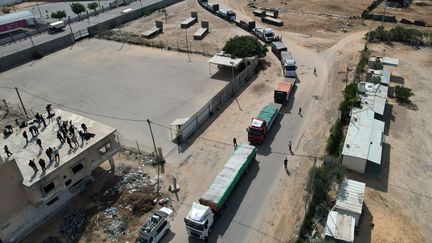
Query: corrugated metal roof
x=340, y=226
x=364, y=136
x=386, y=60
x=13, y=17
x=373, y=96
x=225, y=61
x=350, y=196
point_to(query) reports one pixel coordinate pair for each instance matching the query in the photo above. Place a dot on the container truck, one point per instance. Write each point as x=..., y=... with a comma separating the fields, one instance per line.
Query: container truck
x=228, y=14
x=265, y=35
x=259, y=126
x=288, y=64
x=283, y=91
x=273, y=21
x=278, y=47
x=200, y=218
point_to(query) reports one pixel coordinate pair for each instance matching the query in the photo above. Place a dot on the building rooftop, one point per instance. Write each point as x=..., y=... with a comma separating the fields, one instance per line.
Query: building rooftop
x=340, y=226
x=22, y=153
x=385, y=75
x=224, y=60
x=386, y=60
x=373, y=96
x=364, y=136
x=350, y=196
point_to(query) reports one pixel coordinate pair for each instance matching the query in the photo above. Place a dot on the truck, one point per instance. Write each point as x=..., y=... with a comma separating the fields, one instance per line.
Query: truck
x=155, y=227
x=273, y=21
x=57, y=26
x=274, y=13
x=201, y=216
x=259, y=126
x=288, y=64
x=265, y=35
x=278, y=47
x=283, y=91
x=228, y=14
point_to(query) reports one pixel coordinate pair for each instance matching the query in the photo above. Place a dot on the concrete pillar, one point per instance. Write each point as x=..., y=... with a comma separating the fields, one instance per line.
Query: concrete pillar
x=111, y=161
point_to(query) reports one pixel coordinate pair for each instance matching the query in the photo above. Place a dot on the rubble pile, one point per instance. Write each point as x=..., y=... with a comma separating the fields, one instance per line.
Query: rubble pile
x=73, y=225
x=115, y=228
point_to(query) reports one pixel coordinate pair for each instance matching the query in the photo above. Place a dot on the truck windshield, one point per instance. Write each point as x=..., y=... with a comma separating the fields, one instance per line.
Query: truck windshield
x=194, y=225
x=290, y=68
x=269, y=35
x=255, y=132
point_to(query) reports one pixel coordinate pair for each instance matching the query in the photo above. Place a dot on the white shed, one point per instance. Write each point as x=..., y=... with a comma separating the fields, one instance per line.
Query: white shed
x=350, y=197
x=339, y=227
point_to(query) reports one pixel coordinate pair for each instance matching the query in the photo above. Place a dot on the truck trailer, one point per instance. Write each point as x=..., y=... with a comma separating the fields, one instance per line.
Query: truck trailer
x=283, y=91
x=259, y=126
x=200, y=218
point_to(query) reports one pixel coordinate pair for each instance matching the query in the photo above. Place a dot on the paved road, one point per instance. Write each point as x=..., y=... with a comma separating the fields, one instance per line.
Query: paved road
x=76, y=26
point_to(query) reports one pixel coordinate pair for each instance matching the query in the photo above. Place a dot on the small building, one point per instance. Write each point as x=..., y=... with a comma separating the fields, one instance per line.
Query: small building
x=384, y=75
x=339, y=227
x=15, y=21
x=373, y=96
x=363, y=142
x=32, y=197
x=349, y=200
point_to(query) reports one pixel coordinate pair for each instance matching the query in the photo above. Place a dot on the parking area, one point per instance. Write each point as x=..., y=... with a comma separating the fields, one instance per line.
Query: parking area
x=119, y=85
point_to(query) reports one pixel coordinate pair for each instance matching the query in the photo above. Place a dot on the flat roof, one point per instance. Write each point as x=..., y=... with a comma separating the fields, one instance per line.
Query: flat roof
x=383, y=74
x=22, y=153
x=373, y=96
x=340, y=226
x=364, y=136
x=386, y=60
x=218, y=59
x=350, y=196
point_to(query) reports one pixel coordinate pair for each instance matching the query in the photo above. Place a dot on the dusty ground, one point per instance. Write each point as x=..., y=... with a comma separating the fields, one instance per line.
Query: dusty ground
x=414, y=12
x=399, y=203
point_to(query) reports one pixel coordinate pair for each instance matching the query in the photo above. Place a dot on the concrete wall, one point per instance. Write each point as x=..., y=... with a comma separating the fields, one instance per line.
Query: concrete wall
x=204, y=113
x=353, y=163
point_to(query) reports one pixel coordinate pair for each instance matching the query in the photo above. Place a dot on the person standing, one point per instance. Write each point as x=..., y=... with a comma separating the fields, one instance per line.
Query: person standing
x=69, y=142
x=39, y=143
x=289, y=146
x=49, y=153
x=42, y=165
x=6, y=149
x=56, y=155
x=300, y=111
x=84, y=127
x=33, y=165
x=235, y=143
x=74, y=140
x=25, y=136
x=286, y=163
x=315, y=73
x=60, y=137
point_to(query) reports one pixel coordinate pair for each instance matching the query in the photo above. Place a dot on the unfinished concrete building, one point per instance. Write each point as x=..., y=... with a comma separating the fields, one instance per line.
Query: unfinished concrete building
x=29, y=195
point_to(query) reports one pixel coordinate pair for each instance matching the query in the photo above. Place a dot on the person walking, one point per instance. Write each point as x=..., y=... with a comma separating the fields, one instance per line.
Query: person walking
x=289, y=146
x=33, y=165
x=82, y=136
x=84, y=127
x=49, y=153
x=235, y=143
x=74, y=140
x=300, y=111
x=60, y=137
x=42, y=165
x=286, y=163
x=56, y=155
x=25, y=136
x=69, y=142
x=6, y=149
x=315, y=73
x=39, y=143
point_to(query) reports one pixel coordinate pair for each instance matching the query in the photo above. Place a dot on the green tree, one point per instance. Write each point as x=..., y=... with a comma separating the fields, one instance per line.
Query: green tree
x=244, y=46
x=351, y=100
x=58, y=15
x=93, y=6
x=403, y=93
x=376, y=65
x=78, y=8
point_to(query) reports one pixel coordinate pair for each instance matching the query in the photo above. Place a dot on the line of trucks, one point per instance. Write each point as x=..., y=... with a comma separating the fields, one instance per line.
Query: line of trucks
x=201, y=216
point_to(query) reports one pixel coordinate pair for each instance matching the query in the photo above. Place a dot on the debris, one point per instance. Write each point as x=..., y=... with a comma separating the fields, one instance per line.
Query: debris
x=73, y=225
x=115, y=229
x=111, y=212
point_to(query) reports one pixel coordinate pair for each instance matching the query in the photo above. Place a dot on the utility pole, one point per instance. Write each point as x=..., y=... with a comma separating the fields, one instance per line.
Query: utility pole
x=156, y=154
x=37, y=4
x=70, y=27
x=22, y=104
x=382, y=19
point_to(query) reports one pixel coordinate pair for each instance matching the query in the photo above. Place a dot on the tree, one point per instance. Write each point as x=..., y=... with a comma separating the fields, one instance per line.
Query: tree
x=376, y=65
x=58, y=15
x=351, y=100
x=403, y=93
x=77, y=8
x=93, y=6
x=244, y=46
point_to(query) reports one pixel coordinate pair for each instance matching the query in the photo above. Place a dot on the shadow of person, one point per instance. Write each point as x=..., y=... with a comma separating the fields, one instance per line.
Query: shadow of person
x=287, y=172
x=291, y=152
x=40, y=152
x=33, y=176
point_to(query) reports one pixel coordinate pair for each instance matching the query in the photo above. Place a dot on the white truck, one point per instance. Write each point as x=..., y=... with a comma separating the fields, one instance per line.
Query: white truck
x=200, y=218
x=156, y=227
x=57, y=26
x=265, y=35
x=288, y=64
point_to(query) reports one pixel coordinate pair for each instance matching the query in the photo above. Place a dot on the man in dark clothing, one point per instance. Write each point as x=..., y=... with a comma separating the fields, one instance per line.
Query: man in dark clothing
x=289, y=146
x=286, y=163
x=43, y=121
x=84, y=127
x=8, y=153
x=60, y=137
x=72, y=129
x=33, y=165
x=42, y=165
x=82, y=136
x=39, y=143
x=69, y=142
x=48, y=152
x=50, y=111
x=25, y=136
x=235, y=143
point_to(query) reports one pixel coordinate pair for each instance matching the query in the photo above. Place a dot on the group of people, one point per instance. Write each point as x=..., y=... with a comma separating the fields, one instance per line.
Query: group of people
x=67, y=133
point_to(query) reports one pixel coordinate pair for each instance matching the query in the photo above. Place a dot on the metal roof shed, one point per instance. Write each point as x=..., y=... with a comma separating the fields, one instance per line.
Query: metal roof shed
x=223, y=60
x=350, y=198
x=340, y=227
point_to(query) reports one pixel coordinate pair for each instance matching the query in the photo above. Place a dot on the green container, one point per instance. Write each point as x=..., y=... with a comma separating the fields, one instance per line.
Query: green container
x=268, y=113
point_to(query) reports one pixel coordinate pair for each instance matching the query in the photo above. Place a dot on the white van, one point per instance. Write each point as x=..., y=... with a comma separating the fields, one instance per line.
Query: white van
x=156, y=227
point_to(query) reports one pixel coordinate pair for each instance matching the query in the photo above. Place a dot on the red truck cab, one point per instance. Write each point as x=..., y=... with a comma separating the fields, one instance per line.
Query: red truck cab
x=257, y=131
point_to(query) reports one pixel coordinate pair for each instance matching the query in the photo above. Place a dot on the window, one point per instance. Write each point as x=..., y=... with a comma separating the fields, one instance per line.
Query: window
x=48, y=188
x=52, y=201
x=68, y=182
x=77, y=168
x=105, y=148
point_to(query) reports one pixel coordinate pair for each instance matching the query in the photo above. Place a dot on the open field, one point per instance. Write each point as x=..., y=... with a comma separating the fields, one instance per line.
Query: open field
x=103, y=77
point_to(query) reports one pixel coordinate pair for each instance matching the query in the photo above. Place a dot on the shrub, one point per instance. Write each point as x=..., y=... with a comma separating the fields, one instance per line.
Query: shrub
x=334, y=139
x=405, y=35
x=375, y=79
x=377, y=65
x=58, y=15
x=364, y=59
x=92, y=6
x=403, y=93
x=244, y=46
x=77, y=8
x=351, y=100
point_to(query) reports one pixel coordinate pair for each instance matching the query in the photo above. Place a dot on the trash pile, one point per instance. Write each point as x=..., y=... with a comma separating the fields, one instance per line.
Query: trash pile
x=115, y=228
x=73, y=225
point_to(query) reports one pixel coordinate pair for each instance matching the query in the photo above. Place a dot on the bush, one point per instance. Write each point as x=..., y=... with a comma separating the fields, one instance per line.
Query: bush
x=403, y=93
x=334, y=139
x=351, y=100
x=399, y=34
x=92, y=6
x=377, y=65
x=375, y=79
x=244, y=46
x=77, y=8
x=58, y=15
x=364, y=59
